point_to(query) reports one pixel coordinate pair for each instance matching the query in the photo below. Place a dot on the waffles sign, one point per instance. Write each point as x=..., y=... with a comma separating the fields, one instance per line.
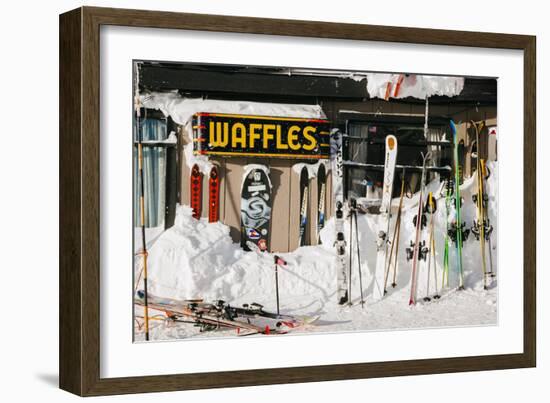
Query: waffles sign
x=263, y=136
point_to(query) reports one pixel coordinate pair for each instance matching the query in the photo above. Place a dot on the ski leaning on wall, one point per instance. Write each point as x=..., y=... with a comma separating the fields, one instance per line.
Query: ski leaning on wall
x=304, y=199
x=321, y=195
x=391, y=259
x=431, y=207
x=481, y=227
x=196, y=191
x=213, y=195
x=338, y=191
x=384, y=218
x=457, y=232
x=256, y=207
x=448, y=201
x=418, y=248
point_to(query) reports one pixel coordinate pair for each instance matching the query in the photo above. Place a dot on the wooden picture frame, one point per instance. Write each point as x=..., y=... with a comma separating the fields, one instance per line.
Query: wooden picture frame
x=80, y=187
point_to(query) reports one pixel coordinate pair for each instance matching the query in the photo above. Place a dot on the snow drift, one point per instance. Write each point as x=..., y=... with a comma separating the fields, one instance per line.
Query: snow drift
x=197, y=259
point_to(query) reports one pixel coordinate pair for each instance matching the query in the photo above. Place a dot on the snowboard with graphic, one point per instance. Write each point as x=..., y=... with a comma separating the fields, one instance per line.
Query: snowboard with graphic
x=256, y=209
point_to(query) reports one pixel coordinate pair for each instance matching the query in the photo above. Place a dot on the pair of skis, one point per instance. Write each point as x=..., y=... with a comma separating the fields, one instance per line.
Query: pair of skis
x=482, y=227
x=418, y=249
x=304, y=201
x=213, y=193
x=382, y=241
x=382, y=266
x=220, y=315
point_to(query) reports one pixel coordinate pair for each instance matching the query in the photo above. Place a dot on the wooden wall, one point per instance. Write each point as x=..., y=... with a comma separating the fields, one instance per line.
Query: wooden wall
x=285, y=213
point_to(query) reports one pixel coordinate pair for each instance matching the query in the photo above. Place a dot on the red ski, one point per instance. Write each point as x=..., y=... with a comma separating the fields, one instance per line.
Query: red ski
x=196, y=191
x=214, y=196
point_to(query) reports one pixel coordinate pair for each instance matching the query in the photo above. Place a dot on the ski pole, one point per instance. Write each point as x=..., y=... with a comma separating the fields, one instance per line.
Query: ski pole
x=430, y=210
x=277, y=287
x=277, y=283
x=358, y=258
x=395, y=239
x=278, y=261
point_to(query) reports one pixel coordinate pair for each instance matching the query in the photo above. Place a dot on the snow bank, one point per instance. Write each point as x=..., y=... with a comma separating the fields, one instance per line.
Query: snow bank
x=197, y=259
x=385, y=86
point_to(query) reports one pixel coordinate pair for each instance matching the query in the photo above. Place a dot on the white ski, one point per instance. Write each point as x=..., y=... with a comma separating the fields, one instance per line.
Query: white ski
x=384, y=218
x=338, y=191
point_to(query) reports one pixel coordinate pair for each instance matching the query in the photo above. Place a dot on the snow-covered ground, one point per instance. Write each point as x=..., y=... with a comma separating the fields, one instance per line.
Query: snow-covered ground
x=197, y=259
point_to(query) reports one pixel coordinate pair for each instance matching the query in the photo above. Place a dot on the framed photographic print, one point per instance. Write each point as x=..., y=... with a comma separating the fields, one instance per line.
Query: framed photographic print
x=251, y=201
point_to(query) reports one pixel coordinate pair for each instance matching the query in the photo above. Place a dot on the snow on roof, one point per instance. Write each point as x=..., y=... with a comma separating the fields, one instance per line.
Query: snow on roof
x=387, y=85
x=181, y=109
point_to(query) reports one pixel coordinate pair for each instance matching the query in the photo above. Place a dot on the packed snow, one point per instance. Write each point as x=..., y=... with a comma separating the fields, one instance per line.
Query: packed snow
x=197, y=259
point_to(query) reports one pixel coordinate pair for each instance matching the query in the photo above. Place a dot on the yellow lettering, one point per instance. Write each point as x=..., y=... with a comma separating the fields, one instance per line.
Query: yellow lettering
x=238, y=139
x=268, y=135
x=293, y=137
x=280, y=145
x=308, y=133
x=218, y=138
x=254, y=134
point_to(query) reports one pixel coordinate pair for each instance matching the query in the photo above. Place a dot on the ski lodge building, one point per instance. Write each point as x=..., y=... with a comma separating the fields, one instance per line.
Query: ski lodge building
x=180, y=104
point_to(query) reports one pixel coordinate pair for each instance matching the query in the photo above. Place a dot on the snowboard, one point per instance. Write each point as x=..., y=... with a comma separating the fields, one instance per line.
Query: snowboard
x=213, y=196
x=255, y=209
x=196, y=191
x=321, y=195
x=304, y=195
x=338, y=192
x=384, y=218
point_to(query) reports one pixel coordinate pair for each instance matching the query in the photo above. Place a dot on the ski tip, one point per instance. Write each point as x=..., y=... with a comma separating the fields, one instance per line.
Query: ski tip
x=411, y=302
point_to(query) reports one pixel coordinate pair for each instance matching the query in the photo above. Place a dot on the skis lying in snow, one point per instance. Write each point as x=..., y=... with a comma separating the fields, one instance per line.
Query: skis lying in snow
x=218, y=315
